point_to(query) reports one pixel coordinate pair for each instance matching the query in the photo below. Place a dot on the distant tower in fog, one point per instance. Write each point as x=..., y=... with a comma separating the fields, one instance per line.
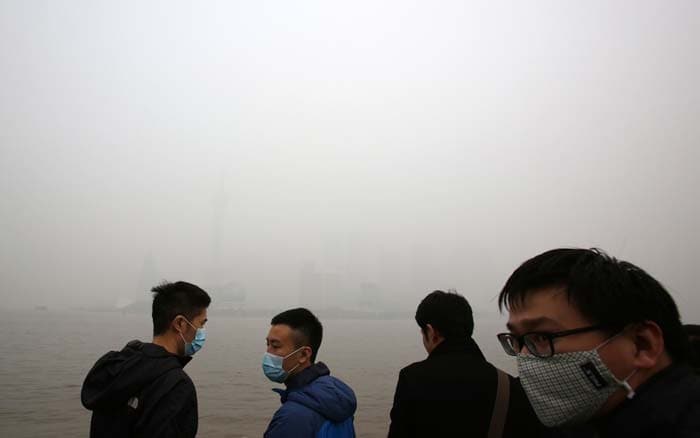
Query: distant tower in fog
x=220, y=206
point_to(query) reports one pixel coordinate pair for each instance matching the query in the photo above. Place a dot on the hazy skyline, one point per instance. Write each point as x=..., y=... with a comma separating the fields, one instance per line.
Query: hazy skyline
x=411, y=145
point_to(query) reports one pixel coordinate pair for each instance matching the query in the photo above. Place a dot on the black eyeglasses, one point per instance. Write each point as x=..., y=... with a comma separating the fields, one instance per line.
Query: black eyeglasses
x=538, y=343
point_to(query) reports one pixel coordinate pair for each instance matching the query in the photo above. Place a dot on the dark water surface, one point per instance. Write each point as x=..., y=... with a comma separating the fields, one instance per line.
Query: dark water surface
x=47, y=354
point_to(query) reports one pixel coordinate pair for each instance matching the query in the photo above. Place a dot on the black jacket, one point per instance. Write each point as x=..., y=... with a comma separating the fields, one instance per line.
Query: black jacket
x=695, y=354
x=141, y=391
x=452, y=393
x=665, y=406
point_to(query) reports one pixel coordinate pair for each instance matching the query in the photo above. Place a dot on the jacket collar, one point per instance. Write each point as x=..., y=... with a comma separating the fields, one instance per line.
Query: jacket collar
x=656, y=400
x=302, y=378
x=308, y=375
x=457, y=346
x=153, y=350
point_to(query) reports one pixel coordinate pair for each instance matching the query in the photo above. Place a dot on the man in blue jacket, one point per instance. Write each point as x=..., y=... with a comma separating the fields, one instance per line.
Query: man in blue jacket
x=315, y=404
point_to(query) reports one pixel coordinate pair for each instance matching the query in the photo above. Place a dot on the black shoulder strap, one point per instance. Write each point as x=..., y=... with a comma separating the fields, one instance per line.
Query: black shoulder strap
x=500, y=406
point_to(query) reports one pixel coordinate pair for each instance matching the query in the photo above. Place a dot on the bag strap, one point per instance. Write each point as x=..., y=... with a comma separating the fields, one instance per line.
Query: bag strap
x=500, y=406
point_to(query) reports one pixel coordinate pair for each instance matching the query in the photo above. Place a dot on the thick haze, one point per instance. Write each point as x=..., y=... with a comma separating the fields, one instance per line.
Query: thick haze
x=382, y=148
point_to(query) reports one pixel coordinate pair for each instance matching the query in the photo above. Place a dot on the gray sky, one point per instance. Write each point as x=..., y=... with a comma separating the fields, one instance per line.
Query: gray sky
x=410, y=144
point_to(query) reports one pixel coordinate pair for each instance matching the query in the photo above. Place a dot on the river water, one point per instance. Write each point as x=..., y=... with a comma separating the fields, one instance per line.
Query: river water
x=46, y=355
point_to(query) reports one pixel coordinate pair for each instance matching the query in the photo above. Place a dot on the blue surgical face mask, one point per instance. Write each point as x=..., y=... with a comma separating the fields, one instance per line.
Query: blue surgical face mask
x=197, y=343
x=272, y=366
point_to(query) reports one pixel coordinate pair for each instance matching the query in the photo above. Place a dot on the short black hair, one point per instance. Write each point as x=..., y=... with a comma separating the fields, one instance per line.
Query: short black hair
x=173, y=299
x=309, y=331
x=448, y=312
x=609, y=292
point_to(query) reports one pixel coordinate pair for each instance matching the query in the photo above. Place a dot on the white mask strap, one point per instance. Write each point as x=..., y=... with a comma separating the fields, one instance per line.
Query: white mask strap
x=625, y=384
x=607, y=341
x=293, y=352
x=289, y=373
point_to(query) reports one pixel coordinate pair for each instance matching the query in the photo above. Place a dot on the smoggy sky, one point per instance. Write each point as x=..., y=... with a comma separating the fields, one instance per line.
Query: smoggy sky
x=412, y=145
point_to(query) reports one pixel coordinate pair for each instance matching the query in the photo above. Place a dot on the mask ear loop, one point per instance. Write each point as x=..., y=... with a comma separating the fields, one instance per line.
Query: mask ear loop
x=297, y=366
x=182, y=336
x=290, y=371
x=607, y=341
x=293, y=352
x=625, y=384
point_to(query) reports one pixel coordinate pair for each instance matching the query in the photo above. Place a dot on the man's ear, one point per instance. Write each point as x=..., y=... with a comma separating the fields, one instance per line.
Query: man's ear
x=649, y=344
x=178, y=324
x=305, y=356
x=432, y=333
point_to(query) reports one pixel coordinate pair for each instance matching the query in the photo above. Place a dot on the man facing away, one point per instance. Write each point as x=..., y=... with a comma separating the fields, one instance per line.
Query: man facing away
x=693, y=332
x=600, y=347
x=142, y=390
x=455, y=391
x=314, y=404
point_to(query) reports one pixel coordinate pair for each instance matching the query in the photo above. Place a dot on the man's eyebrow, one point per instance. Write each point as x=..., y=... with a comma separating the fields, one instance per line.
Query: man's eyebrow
x=530, y=324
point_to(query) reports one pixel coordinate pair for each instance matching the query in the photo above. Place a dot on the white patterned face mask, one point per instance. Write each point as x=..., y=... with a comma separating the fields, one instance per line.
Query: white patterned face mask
x=568, y=388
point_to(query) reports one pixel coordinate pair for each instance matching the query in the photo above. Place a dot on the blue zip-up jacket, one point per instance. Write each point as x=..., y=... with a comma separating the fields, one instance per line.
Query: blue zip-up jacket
x=315, y=404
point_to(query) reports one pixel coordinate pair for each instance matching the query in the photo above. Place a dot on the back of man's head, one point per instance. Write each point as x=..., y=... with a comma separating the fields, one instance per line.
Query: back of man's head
x=607, y=291
x=172, y=299
x=307, y=328
x=447, y=312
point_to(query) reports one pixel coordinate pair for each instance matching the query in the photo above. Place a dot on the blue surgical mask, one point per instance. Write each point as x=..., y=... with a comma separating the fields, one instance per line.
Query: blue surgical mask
x=197, y=343
x=272, y=366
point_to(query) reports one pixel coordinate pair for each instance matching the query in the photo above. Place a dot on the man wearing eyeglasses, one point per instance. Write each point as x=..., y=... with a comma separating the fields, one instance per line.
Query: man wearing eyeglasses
x=600, y=347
